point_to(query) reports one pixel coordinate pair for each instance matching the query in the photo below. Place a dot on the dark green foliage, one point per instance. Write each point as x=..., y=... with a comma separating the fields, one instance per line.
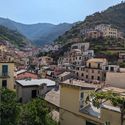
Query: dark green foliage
x=35, y=112
x=8, y=107
x=13, y=37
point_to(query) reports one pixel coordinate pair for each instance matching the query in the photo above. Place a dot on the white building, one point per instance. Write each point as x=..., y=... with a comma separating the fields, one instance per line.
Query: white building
x=32, y=88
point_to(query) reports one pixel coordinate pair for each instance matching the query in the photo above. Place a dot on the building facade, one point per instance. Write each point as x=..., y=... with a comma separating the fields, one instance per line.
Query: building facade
x=74, y=110
x=7, y=75
x=109, y=31
x=29, y=89
x=92, y=71
x=93, y=34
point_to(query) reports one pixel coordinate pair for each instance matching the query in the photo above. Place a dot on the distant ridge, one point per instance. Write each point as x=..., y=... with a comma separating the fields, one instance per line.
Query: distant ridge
x=39, y=33
x=13, y=37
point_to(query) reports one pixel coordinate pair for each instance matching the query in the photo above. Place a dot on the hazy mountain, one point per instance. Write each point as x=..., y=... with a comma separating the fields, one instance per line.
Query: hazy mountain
x=37, y=33
x=14, y=37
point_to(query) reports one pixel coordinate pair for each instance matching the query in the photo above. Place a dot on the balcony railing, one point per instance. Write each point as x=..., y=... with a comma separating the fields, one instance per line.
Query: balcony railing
x=4, y=75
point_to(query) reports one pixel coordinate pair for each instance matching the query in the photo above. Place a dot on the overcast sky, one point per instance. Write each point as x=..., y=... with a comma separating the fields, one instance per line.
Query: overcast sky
x=51, y=11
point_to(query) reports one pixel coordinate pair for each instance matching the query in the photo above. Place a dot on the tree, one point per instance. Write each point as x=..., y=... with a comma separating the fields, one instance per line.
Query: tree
x=98, y=98
x=8, y=107
x=35, y=113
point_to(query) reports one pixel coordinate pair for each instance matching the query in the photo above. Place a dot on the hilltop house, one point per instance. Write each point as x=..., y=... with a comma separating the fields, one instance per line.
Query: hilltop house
x=109, y=31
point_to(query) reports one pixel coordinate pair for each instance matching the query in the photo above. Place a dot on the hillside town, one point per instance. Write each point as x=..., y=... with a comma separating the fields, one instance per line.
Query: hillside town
x=66, y=83
x=62, y=62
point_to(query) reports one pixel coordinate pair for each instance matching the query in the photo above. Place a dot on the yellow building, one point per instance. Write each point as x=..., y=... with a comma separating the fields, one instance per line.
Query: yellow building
x=3, y=48
x=109, y=31
x=74, y=110
x=7, y=75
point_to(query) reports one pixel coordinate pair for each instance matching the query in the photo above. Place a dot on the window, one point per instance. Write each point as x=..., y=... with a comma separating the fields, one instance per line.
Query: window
x=77, y=74
x=82, y=48
x=82, y=74
x=107, y=123
x=82, y=69
x=89, y=65
x=98, y=65
x=89, y=123
x=98, y=78
x=86, y=76
x=81, y=95
x=112, y=68
x=81, y=100
x=4, y=69
x=77, y=68
x=92, y=71
x=34, y=93
x=80, y=58
x=4, y=83
x=92, y=77
x=106, y=68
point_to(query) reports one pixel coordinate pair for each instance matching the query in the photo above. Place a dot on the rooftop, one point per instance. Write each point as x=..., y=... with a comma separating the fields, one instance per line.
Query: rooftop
x=21, y=71
x=79, y=83
x=36, y=82
x=114, y=89
x=53, y=97
x=64, y=74
x=97, y=60
x=112, y=108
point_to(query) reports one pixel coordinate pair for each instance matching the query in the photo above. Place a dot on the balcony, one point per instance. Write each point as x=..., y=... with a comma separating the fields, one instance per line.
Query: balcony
x=4, y=75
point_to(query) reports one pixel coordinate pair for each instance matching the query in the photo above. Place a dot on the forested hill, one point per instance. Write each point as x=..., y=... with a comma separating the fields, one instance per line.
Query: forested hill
x=114, y=15
x=14, y=37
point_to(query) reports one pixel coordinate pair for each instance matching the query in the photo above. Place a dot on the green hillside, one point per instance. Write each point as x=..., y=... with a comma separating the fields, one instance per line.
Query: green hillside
x=103, y=47
x=13, y=37
x=114, y=15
